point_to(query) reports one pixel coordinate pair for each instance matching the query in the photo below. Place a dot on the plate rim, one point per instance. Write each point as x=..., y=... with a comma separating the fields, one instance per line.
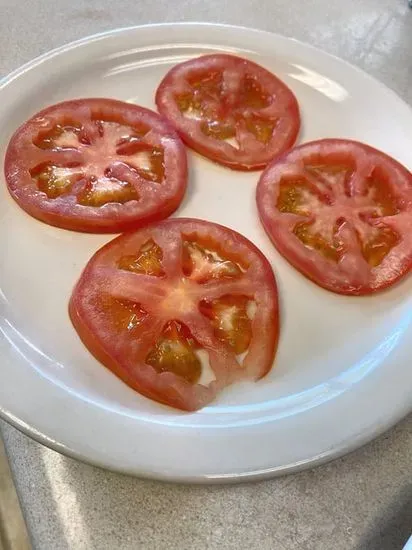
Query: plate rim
x=347, y=446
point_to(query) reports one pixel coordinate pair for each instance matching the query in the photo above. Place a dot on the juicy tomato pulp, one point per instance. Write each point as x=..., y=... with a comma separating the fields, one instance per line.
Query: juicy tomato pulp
x=341, y=213
x=96, y=165
x=230, y=110
x=179, y=310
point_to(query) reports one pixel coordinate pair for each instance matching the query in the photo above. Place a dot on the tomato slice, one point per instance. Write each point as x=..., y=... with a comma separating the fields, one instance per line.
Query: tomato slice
x=96, y=165
x=341, y=213
x=230, y=110
x=179, y=310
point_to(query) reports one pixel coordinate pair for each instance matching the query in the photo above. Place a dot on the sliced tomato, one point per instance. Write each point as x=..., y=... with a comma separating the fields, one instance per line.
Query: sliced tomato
x=230, y=110
x=96, y=165
x=179, y=310
x=341, y=213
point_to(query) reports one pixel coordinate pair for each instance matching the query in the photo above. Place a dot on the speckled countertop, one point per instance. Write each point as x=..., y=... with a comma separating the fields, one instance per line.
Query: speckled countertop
x=361, y=502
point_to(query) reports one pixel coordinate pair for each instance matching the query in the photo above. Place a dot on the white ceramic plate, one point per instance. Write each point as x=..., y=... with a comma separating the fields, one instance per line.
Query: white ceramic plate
x=343, y=371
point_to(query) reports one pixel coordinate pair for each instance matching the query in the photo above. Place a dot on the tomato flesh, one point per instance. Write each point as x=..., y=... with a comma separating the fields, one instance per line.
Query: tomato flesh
x=95, y=193
x=230, y=110
x=125, y=314
x=341, y=212
x=96, y=165
x=174, y=352
x=231, y=321
x=200, y=264
x=148, y=260
x=297, y=197
x=54, y=180
x=168, y=309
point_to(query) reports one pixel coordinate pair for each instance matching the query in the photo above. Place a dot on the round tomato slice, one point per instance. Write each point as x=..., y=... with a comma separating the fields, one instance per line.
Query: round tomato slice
x=341, y=213
x=230, y=110
x=179, y=310
x=96, y=165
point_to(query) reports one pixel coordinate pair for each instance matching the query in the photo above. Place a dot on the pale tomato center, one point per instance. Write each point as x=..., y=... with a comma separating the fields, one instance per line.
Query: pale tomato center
x=182, y=297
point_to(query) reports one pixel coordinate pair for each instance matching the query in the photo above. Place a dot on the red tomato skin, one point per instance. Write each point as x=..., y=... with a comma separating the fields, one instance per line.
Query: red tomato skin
x=304, y=267
x=93, y=345
x=205, y=151
x=15, y=173
x=100, y=226
x=191, y=401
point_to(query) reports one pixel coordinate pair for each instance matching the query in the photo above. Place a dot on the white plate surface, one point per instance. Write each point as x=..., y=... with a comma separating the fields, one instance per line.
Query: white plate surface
x=343, y=370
